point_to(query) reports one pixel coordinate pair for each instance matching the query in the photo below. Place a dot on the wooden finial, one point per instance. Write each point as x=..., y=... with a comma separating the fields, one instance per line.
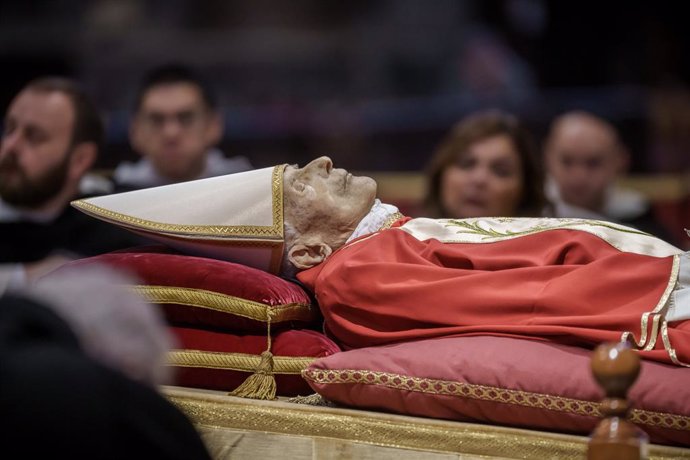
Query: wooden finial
x=615, y=367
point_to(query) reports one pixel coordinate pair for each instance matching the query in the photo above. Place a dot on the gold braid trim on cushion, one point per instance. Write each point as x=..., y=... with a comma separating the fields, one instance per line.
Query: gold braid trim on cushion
x=488, y=393
x=235, y=361
x=225, y=303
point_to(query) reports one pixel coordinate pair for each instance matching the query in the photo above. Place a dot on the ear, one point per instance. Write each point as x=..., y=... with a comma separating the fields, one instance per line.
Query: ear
x=546, y=155
x=82, y=159
x=305, y=256
x=623, y=160
x=214, y=130
x=135, y=136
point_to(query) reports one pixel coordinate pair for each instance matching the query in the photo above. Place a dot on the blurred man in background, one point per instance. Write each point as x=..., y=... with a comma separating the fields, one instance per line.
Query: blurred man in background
x=175, y=128
x=52, y=135
x=584, y=157
x=82, y=359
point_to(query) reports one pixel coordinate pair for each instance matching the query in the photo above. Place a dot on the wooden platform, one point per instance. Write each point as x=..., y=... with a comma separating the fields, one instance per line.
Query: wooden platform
x=241, y=428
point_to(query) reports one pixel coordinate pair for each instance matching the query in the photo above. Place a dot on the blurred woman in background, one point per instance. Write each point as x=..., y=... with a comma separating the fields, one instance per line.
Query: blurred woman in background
x=486, y=166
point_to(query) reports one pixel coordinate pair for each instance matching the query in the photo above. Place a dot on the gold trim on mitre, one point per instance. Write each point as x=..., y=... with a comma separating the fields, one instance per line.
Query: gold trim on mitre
x=193, y=217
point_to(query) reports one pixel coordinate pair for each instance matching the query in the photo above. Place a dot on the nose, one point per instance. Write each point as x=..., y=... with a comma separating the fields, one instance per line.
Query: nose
x=171, y=128
x=322, y=163
x=9, y=143
x=479, y=175
x=578, y=175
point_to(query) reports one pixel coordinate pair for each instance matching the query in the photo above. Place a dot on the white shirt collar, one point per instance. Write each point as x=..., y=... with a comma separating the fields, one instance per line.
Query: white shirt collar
x=619, y=203
x=372, y=222
x=142, y=174
x=9, y=213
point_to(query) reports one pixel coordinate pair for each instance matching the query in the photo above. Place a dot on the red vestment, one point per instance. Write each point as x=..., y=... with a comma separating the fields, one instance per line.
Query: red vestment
x=563, y=285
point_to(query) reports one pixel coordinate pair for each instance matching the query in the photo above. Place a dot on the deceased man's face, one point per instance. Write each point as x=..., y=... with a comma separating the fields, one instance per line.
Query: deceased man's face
x=326, y=201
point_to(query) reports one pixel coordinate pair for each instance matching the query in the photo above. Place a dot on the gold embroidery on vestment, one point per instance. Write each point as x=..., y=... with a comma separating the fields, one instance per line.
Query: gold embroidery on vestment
x=472, y=227
x=657, y=313
x=393, y=218
x=668, y=347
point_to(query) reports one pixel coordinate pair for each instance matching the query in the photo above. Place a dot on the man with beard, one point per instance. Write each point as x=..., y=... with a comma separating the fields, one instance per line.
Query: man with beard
x=52, y=134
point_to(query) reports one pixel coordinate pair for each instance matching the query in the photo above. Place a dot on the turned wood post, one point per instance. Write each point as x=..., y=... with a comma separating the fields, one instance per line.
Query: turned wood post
x=615, y=367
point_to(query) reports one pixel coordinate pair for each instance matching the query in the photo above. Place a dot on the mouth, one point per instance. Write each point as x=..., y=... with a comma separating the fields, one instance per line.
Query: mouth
x=7, y=170
x=346, y=180
x=171, y=152
x=475, y=202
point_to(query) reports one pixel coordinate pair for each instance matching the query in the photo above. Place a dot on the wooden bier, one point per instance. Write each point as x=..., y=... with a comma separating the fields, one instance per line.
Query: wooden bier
x=615, y=368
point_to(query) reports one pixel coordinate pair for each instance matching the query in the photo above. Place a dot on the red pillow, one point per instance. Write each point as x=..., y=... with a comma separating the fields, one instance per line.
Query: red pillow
x=499, y=380
x=198, y=291
x=222, y=361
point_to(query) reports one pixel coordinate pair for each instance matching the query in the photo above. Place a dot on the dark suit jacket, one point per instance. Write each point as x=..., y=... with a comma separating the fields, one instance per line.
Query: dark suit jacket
x=56, y=401
x=73, y=232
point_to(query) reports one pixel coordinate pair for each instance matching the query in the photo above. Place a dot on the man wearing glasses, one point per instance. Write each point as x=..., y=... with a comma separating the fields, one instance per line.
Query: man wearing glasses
x=175, y=128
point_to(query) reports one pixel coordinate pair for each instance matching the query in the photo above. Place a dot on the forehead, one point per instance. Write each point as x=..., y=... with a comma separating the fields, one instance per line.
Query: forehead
x=169, y=97
x=50, y=110
x=494, y=147
x=585, y=139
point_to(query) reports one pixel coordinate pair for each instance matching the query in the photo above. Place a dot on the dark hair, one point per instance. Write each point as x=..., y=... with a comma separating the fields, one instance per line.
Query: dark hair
x=476, y=127
x=88, y=125
x=174, y=73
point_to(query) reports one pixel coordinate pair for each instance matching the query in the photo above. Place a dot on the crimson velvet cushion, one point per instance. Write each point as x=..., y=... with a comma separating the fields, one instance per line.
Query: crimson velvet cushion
x=499, y=380
x=222, y=361
x=199, y=291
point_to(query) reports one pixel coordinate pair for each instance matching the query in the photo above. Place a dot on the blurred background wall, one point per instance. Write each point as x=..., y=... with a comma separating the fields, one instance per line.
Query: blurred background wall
x=372, y=83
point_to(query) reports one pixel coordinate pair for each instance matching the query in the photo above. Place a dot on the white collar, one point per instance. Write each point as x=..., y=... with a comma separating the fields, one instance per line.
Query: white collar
x=379, y=214
x=9, y=213
x=619, y=203
x=142, y=174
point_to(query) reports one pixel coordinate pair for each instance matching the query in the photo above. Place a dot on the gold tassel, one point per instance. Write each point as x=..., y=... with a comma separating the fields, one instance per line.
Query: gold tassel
x=261, y=384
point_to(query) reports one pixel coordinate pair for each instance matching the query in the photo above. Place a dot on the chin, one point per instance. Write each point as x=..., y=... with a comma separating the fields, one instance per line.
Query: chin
x=370, y=184
x=580, y=204
x=477, y=213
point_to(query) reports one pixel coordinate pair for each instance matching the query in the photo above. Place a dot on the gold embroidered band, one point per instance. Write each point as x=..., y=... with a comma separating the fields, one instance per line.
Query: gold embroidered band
x=488, y=393
x=235, y=361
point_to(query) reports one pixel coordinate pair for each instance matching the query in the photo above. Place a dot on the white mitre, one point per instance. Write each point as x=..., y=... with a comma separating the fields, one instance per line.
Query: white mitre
x=236, y=217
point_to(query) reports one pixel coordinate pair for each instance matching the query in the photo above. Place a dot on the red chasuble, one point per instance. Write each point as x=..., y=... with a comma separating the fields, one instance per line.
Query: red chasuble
x=565, y=280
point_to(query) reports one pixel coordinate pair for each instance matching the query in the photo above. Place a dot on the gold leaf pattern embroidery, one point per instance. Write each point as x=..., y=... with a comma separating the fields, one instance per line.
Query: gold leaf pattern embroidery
x=474, y=227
